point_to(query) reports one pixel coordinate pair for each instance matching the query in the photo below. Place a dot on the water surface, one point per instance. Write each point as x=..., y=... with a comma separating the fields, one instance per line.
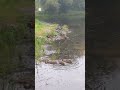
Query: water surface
x=70, y=76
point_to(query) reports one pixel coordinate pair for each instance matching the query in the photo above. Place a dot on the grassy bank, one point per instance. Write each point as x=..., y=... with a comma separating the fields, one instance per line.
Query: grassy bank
x=42, y=30
x=44, y=33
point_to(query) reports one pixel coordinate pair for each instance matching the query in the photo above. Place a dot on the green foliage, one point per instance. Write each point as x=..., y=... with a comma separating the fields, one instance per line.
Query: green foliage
x=51, y=6
x=60, y=6
x=39, y=50
x=65, y=5
x=42, y=30
x=79, y=5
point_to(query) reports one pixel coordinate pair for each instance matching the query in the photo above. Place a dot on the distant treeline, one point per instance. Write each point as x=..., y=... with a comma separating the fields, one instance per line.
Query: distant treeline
x=60, y=6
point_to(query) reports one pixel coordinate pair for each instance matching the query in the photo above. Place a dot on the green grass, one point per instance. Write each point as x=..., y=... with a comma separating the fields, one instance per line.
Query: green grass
x=42, y=30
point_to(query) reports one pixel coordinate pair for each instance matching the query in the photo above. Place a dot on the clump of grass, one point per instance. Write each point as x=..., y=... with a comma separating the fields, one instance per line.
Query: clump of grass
x=42, y=30
x=65, y=28
x=39, y=42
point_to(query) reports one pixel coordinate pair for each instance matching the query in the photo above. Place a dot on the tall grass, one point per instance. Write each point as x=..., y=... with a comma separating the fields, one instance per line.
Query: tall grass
x=42, y=30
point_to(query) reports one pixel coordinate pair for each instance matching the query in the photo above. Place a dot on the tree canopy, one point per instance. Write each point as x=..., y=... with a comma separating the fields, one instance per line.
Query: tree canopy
x=56, y=6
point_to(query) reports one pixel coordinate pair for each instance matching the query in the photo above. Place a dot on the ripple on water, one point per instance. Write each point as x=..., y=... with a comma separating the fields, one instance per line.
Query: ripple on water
x=55, y=77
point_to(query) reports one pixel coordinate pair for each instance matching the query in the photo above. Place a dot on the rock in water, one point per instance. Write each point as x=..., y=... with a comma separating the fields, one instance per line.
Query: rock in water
x=67, y=61
x=61, y=62
x=51, y=62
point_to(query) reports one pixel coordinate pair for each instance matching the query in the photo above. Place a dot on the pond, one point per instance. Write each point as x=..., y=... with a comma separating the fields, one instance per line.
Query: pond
x=69, y=76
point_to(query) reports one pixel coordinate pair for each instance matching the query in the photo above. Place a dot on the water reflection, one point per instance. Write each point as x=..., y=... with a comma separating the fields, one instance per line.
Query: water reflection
x=54, y=77
x=70, y=76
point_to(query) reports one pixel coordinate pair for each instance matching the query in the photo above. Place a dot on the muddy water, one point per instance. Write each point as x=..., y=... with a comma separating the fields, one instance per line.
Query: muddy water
x=70, y=76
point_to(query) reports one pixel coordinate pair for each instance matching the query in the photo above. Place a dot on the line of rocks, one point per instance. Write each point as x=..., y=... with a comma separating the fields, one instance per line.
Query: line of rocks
x=61, y=62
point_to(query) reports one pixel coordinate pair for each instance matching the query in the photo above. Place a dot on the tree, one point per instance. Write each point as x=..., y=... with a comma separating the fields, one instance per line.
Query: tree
x=79, y=4
x=50, y=6
x=60, y=6
x=65, y=5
